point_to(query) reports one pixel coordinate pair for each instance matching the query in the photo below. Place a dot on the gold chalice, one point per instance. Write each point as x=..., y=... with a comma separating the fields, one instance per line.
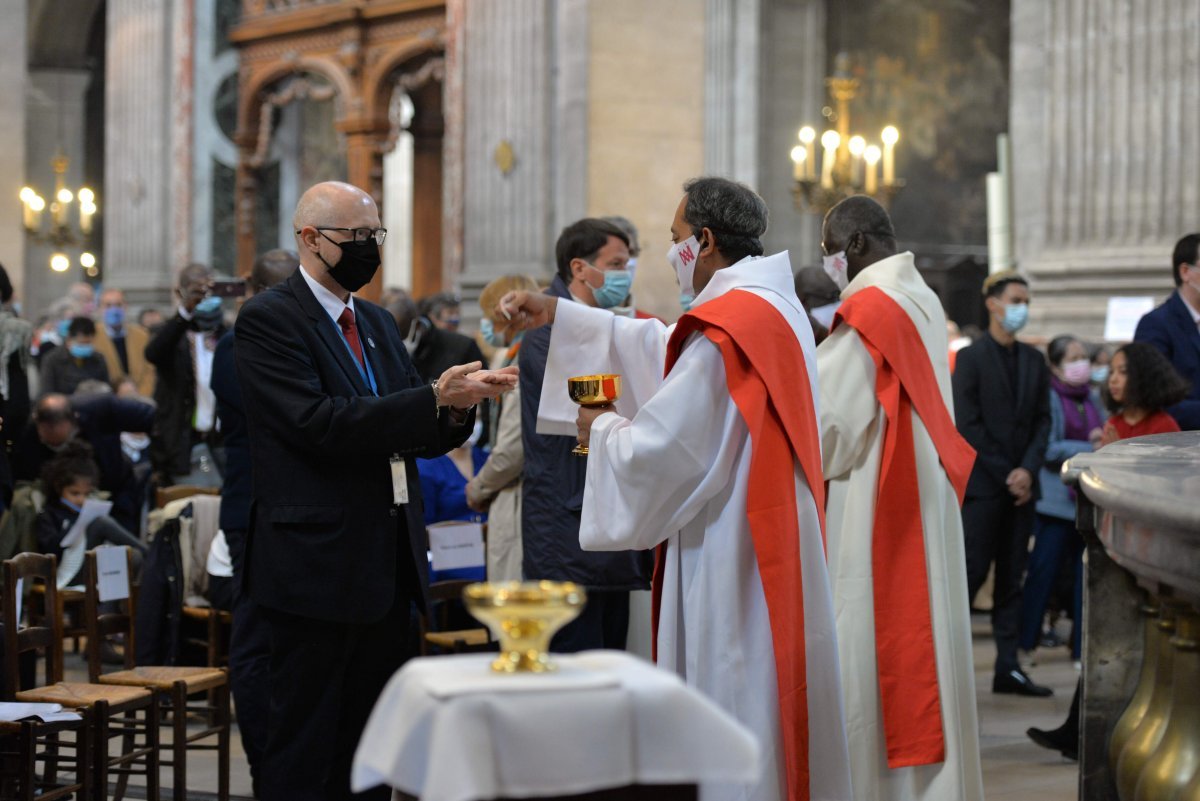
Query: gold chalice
x=592, y=391
x=523, y=616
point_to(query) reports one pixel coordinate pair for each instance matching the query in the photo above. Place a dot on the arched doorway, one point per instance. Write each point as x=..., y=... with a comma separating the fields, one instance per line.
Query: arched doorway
x=370, y=61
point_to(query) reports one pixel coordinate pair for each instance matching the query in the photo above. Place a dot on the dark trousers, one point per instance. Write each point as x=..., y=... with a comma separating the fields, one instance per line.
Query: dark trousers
x=603, y=623
x=1055, y=542
x=249, y=662
x=997, y=531
x=325, y=678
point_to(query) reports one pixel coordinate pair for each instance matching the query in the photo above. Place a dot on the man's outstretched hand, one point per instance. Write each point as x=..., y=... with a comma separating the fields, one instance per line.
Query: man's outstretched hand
x=465, y=385
x=525, y=310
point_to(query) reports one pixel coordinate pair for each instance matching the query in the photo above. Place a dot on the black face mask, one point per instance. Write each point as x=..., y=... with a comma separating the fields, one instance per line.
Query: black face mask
x=357, y=267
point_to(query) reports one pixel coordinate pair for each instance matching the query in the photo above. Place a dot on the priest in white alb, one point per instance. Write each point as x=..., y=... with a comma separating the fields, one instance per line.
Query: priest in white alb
x=712, y=458
x=897, y=471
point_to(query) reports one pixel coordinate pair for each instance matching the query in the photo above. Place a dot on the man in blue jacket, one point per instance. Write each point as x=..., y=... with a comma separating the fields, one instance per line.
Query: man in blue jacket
x=591, y=257
x=1174, y=328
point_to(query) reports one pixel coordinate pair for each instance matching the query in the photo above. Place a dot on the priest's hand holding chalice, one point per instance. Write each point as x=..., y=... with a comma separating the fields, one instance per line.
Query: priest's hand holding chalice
x=596, y=394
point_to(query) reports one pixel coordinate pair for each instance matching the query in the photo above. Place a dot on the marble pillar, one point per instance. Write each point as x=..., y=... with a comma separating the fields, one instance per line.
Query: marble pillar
x=147, y=160
x=793, y=91
x=13, y=57
x=1105, y=140
x=732, y=89
x=507, y=96
x=646, y=126
x=54, y=124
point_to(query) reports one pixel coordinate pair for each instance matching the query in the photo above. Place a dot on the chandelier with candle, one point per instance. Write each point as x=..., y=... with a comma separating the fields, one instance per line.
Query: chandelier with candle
x=64, y=222
x=849, y=163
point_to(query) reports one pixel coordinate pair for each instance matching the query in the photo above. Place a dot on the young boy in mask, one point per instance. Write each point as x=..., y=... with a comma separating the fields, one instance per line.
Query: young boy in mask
x=77, y=361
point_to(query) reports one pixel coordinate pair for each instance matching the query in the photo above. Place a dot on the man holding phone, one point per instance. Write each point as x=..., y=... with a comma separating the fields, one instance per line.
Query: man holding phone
x=182, y=352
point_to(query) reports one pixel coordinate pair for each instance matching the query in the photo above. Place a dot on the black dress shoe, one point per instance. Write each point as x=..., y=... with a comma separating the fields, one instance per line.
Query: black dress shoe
x=1017, y=683
x=1056, y=740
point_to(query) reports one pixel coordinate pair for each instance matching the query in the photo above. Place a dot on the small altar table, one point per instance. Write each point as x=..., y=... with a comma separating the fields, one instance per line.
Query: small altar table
x=604, y=725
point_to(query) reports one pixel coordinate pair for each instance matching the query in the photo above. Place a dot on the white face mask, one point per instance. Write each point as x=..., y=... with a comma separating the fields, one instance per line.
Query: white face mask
x=835, y=267
x=682, y=256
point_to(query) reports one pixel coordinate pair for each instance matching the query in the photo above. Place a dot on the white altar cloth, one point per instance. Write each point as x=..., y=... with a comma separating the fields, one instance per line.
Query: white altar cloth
x=447, y=729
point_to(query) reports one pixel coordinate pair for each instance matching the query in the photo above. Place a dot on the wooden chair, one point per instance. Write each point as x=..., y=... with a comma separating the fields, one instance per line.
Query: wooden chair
x=114, y=709
x=172, y=684
x=434, y=623
x=27, y=745
x=217, y=625
x=164, y=495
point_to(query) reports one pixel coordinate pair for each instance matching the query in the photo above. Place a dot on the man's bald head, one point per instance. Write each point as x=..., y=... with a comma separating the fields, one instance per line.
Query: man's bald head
x=323, y=203
x=54, y=419
x=325, y=220
x=862, y=228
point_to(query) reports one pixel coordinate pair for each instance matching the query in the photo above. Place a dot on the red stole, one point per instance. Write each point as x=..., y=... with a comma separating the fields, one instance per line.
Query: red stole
x=904, y=650
x=768, y=380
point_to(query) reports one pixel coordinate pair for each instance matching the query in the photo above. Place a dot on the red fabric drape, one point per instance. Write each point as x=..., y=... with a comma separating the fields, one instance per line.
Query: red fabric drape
x=904, y=647
x=768, y=380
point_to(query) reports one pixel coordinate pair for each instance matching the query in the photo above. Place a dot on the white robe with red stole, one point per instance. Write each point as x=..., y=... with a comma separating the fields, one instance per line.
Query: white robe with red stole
x=677, y=472
x=853, y=426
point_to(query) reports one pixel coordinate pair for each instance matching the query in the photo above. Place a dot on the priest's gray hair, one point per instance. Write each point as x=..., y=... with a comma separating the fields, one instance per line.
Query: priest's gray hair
x=733, y=211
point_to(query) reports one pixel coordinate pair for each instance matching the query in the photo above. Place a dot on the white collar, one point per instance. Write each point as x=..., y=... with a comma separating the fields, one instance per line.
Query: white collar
x=330, y=302
x=773, y=273
x=1191, y=310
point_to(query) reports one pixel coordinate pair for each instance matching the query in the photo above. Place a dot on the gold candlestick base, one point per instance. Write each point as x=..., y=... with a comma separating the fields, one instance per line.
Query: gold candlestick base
x=523, y=616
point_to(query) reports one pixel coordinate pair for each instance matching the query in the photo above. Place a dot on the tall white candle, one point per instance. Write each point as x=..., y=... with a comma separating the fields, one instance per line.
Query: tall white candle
x=890, y=136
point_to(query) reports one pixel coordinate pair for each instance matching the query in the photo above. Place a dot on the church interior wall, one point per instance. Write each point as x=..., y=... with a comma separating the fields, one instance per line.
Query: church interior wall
x=645, y=126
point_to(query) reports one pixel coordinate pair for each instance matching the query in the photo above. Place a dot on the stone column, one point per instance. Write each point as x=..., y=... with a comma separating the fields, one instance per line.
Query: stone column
x=147, y=163
x=54, y=125
x=507, y=86
x=793, y=88
x=1104, y=141
x=732, y=38
x=13, y=58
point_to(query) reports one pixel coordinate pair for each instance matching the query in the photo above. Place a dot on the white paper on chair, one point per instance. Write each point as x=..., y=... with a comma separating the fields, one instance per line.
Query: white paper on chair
x=112, y=568
x=92, y=508
x=47, y=713
x=456, y=545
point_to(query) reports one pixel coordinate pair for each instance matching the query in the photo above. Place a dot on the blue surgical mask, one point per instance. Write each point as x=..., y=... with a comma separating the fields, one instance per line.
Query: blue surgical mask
x=685, y=301
x=1015, y=317
x=493, y=337
x=1100, y=374
x=62, y=327
x=208, y=305
x=114, y=316
x=70, y=505
x=614, y=290
x=81, y=350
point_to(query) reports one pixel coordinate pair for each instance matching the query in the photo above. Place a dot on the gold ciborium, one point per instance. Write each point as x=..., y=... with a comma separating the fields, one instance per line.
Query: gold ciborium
x=523, y=616
x=592, y=391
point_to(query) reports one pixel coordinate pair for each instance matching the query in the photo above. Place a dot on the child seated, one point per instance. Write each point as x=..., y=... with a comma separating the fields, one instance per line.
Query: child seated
x=69, y=478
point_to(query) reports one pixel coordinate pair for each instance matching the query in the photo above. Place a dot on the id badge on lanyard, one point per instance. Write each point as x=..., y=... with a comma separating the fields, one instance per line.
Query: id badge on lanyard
x=399, y=480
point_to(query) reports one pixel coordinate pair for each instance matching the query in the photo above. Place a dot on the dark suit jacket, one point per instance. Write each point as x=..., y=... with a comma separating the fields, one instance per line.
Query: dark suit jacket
x=1170, y=328
x=235, y=481
x=175, y=393
x=1007, y=426
x=324, y=533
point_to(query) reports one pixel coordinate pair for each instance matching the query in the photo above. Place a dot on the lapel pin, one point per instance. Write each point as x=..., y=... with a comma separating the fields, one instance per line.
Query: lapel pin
x=370, y=342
